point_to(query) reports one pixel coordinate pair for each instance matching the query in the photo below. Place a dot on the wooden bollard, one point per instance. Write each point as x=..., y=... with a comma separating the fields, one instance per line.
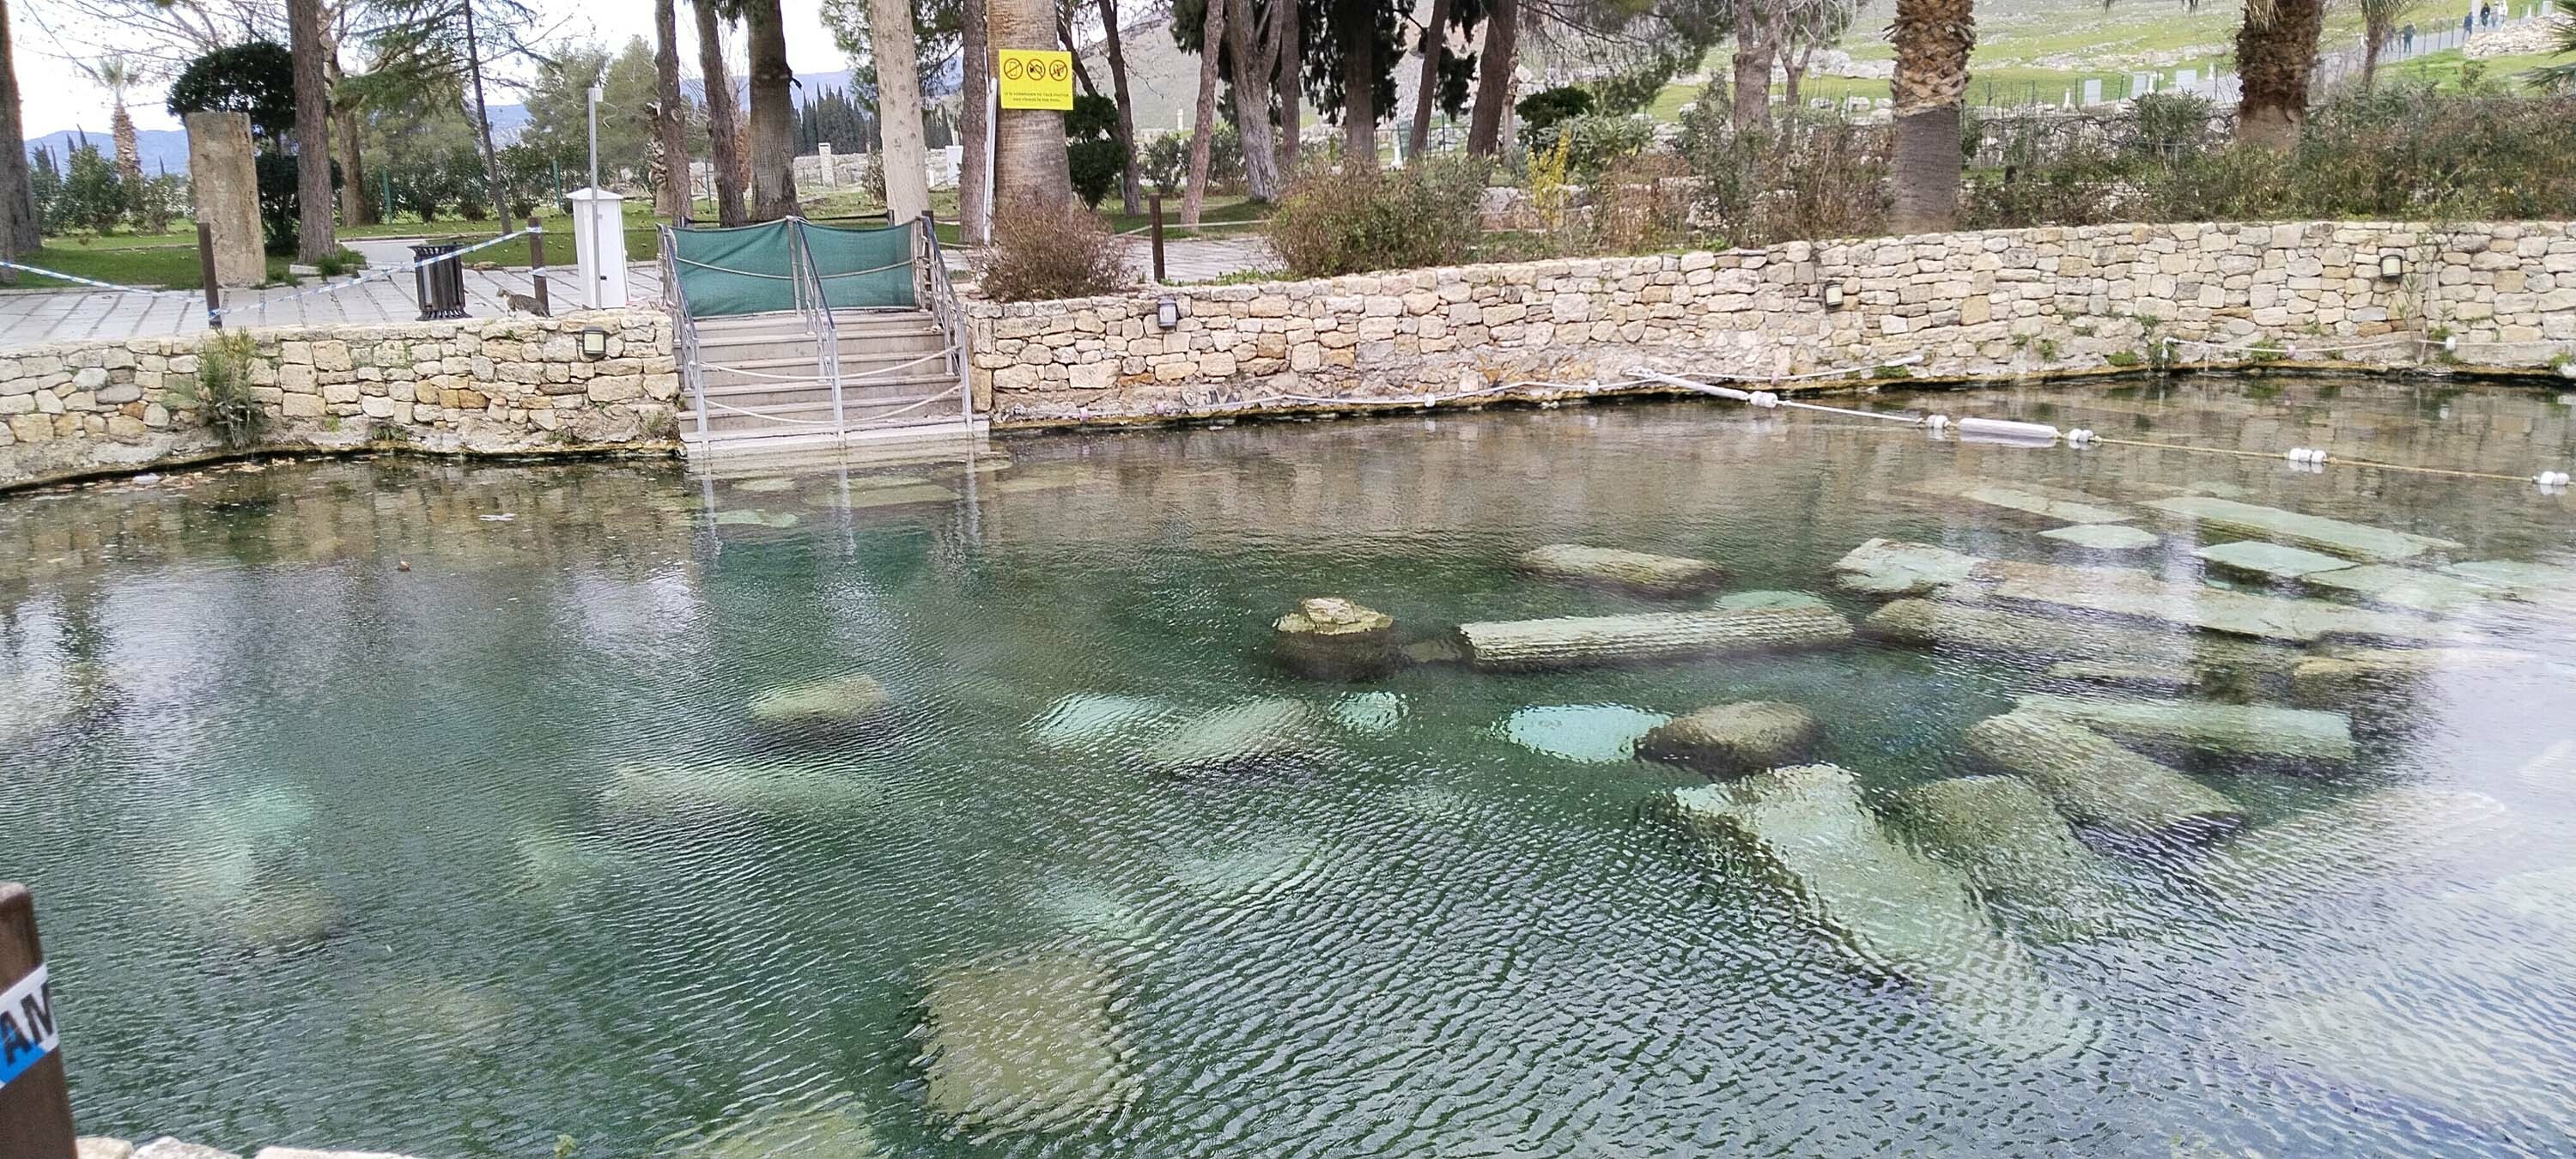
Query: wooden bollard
x=537, y=269
x=206, y=267
x=35, y=1104
x=1155, y=201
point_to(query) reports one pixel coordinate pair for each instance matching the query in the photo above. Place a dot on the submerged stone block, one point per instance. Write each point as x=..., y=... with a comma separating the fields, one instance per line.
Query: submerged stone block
x=833, y=1128
x=2100, y=785
x=2357, y=674
x=1934, y=623
x=1898, y=912
x=1754, y=600
x=2130, y=592
x=839, y=701
x=1025, y=1043
x=2334, y=536
x=1635, y=571
x=2423, y=591
x=1728, y=740
x=2242, y=729
x=753, y=788
x=2383, y=833
x=2035, y=503
x=2103, y=536
x=1893, y=567
x=2017, y=848
x=2276, y=561
x=1578, y=641
x=1586, y=733
x=1332, y=638
x=1236, y=737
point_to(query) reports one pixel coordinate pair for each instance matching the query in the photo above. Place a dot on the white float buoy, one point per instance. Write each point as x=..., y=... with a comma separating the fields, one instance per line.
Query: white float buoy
x=2009, y=429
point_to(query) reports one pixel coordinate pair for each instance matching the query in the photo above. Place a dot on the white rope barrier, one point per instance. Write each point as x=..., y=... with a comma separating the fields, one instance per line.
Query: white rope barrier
x=96, y=284
x=388, y=273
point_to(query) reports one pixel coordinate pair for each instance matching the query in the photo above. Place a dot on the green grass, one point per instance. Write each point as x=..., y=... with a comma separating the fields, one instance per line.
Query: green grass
x=2449, y=70
x=163, y=262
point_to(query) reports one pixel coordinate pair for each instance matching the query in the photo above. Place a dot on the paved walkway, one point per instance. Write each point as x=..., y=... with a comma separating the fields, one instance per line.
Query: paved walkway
x=1204, y=259
x=30, y=317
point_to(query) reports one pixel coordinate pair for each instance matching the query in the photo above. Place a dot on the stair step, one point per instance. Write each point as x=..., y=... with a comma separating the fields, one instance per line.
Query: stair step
x=913, y=384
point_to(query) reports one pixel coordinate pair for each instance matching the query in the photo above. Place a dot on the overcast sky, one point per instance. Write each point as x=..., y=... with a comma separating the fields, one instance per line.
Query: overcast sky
x=58, y=95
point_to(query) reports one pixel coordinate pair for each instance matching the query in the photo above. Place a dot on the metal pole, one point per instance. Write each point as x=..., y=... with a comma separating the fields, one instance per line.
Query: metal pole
x=1155, y=202
x=992, y=133
x=35, y=1102
x=594, y=136
x=206, y=269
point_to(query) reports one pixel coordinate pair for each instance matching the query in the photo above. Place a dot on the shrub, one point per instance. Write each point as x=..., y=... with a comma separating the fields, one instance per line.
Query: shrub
x=1595, y=143
x=1543, y=109
x=1808, y=176
x=1347, y=222
x=222, y=391
x=92, y=196
x=1092, y=148
x=1165, y=164
x=1041, y=253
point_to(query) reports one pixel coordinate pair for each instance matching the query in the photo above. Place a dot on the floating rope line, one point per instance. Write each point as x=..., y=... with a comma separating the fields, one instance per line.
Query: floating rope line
x=2241, y=453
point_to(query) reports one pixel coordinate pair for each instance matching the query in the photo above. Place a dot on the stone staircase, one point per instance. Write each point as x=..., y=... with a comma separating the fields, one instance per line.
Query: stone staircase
x=760, y=380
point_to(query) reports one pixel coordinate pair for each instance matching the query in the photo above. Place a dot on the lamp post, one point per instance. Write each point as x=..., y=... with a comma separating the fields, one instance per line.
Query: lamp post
x=595, y=93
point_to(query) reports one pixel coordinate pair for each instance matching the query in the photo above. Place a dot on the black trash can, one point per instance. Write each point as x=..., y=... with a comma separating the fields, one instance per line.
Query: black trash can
x=440, y=285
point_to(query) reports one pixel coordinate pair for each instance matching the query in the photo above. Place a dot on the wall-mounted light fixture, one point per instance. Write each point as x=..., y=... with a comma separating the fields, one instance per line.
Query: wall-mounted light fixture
x=1833, y=295
x=594, y=343
x=1167, y=312
x=2392, y=267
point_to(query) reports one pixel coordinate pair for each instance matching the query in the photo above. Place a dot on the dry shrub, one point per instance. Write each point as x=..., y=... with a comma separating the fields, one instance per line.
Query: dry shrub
x=1357, y=220
x=1805, y=177
x=1041, y=252
x=1641, y=206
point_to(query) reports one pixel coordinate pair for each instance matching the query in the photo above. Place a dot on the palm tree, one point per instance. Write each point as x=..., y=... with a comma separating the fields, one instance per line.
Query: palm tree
x=773, y=112
x=904, y=156
x=2276, y=56
x=670, y=112
x=20, y=232
x=724, y=154
x=2559, y=78
x=1933, y=39
x=2379, y=25
x=1032, y=173
x=315, y=239
x=117, y=77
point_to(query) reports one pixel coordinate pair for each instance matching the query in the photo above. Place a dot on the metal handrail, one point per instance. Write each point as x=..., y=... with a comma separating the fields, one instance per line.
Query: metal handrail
x=684, y=329
x=941, y=296
x=818, y=321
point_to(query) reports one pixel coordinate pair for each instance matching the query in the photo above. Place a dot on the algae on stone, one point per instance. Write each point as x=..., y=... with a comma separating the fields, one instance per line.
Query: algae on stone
x=1025, y=1043
x=2243, y=729
x=1900, y=913
x=1578, y=641
x=1733, y=739
x=2130, y=592
x=2100, y=785
x=1334, y=638
x=2017, y=848
x=1635, y=571
x=2349, y=540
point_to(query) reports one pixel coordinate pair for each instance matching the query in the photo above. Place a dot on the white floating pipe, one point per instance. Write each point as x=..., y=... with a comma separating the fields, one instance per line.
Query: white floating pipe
x=1687, y=384
x=2008, y=429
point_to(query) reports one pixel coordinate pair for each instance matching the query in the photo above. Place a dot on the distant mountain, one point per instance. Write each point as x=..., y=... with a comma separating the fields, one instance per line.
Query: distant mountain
x=167, y=149
x=160, y=148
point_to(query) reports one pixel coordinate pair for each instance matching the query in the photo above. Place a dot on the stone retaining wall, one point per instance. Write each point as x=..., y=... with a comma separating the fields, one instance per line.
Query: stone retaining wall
x=496, y=386
x=1995, y=305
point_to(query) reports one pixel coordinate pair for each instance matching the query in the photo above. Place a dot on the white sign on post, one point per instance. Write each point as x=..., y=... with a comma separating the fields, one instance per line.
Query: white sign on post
x=27, y=1031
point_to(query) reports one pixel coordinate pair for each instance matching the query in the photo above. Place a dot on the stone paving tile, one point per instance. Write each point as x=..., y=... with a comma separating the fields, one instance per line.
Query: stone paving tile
x=32, y=317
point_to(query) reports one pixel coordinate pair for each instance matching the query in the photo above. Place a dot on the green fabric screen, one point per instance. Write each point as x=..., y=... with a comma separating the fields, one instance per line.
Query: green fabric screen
x=744, y=270
x=862, y=268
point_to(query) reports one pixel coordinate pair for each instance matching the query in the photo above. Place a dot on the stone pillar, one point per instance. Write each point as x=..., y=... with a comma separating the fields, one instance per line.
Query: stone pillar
x=225, y=172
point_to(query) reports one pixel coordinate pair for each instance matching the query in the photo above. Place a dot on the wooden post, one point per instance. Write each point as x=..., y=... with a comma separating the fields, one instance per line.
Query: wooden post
x=35, y=1106
x=1156, y=201
x=537, y=270
x=206, y=269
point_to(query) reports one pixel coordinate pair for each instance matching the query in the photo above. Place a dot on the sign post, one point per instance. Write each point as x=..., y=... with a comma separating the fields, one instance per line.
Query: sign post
x=35, y=1105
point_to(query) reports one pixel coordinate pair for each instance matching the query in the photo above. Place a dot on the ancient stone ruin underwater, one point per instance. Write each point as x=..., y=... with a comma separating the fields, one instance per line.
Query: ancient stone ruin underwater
x=1661, y=779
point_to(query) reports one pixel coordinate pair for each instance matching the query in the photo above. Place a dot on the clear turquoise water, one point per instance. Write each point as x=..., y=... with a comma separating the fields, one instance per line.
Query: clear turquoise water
x=330, y=853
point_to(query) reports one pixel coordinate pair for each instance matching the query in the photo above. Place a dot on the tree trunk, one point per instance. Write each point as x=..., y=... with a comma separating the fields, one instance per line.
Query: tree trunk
x=2276, y=59
x=773, y=112
x=2373, y=35
x=1131, y=185
x=483, y=125
x=1356, y=27
x=353, y=174
x=1793, y=71
x=1435, y=49
x=670, y=116
x=975, y=127
x=312, y=133
x=905, y=156
x=20, y=232
x=1494, y=78
x=1033, y=174
x=724, y=162
x=1933, y=39
x=1212, y=16
x=1256, y=56
x=1757, y=45
x=1289, y=80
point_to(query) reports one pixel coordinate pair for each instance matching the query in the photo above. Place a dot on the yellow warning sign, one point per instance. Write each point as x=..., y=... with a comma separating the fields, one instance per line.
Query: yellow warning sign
x=1036, y=79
